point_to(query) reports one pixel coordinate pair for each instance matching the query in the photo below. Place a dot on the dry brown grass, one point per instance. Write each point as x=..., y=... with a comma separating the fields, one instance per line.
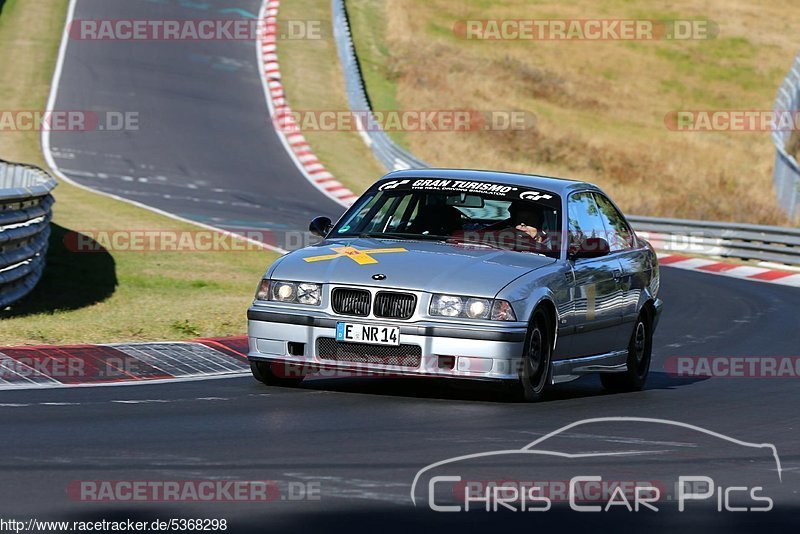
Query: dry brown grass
x=600, y=106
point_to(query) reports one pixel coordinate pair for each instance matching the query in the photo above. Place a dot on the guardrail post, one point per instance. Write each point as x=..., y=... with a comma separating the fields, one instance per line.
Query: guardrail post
x=386, y=151
x=24, y=231
x=786, y=174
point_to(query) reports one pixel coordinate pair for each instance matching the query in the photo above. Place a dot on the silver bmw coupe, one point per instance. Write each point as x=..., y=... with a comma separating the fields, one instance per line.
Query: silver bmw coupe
x=526, y=280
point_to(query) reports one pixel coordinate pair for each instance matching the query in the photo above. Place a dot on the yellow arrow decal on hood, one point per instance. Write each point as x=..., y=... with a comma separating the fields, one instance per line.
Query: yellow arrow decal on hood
x=361, y=257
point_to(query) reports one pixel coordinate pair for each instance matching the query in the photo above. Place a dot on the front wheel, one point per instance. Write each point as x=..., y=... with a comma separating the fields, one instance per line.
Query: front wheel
x=640, y=349
x=275, y=374
x=535, y=369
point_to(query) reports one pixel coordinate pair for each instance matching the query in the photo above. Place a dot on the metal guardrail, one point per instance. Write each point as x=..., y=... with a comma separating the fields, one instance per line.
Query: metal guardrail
x=739, y=241
x=392, y=156
x=786, y=174
x=25, y=212
x=728, y=240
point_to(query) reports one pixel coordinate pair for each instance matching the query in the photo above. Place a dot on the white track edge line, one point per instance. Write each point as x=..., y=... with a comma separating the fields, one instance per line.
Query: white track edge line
x=48, y=155
x=271, y=106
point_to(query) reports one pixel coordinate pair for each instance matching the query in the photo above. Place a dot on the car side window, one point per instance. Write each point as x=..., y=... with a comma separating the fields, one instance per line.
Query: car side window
x=584, y=219
x=620, y=236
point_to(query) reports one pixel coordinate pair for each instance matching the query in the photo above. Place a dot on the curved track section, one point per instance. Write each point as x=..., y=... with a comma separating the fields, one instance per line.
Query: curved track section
x=364, y=440
x=205, y=149
x=360, y=440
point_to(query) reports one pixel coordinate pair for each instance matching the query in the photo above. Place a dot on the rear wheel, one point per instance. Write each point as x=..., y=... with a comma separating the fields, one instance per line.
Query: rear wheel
x=534, y=373
x=640, y=350
x=276, y=374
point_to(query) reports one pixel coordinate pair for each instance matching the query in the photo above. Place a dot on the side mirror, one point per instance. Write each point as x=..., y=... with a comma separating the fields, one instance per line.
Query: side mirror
x=320, y=226
x=591, y=247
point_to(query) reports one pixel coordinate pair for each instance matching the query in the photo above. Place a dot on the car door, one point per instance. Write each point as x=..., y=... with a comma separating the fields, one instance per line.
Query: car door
x=632, y=258
x=597, y=311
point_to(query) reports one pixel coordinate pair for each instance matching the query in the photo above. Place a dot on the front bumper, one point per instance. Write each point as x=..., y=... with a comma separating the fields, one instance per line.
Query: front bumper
x=447, y=350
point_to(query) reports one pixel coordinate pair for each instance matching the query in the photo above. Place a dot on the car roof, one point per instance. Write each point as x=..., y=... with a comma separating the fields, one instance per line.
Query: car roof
x=561, y=186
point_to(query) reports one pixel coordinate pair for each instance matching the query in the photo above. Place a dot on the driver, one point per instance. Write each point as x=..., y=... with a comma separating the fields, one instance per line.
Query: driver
x=527, y=218
x=521, y=231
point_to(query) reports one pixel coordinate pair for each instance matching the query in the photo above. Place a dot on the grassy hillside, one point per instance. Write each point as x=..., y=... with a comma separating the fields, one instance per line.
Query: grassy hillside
x=600, y=106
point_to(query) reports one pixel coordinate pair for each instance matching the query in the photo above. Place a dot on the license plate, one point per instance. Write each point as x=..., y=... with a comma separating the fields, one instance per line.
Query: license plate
x=366, y=333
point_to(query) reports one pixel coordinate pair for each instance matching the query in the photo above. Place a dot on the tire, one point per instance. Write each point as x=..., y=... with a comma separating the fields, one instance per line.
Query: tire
x=270, y=373
x=640, y=350
x=534, y=373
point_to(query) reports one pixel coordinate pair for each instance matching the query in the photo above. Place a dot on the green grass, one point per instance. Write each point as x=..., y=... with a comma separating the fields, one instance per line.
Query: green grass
x=367, y=18
x=107, y=296
x=313, y=81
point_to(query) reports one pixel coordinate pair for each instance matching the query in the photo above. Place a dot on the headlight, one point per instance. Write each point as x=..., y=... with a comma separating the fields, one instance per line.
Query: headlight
x=447, y=305
x=283, y=291
x=478, y=308
x=293, y=292
x=471, y=308
x=309, y=294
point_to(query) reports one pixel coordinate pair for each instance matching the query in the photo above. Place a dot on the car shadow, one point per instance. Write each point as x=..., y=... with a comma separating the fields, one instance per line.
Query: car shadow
x=71, y=280
x=474, y=390
x=590, y=386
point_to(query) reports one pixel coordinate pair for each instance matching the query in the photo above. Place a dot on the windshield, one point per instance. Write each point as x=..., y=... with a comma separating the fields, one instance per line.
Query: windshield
x=476, y=214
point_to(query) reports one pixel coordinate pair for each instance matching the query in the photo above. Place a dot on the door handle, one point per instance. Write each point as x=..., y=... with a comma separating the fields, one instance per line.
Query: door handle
x=617, y=275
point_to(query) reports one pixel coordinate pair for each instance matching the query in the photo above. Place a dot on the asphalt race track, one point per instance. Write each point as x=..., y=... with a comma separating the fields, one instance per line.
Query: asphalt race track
x=205, y=148
x=204, y=131
x=364, y=439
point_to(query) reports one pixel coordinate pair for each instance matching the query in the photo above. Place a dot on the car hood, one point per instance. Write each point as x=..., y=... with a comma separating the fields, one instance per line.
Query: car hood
x=415, y=265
